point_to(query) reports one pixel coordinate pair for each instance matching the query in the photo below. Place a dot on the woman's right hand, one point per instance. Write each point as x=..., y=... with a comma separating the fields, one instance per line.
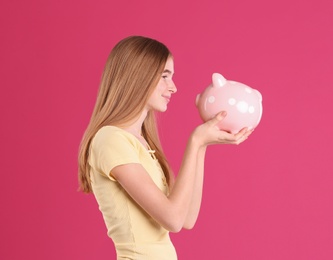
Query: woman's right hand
x=208, y=133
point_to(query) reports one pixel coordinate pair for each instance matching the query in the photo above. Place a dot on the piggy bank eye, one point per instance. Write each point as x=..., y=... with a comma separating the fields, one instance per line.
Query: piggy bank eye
x=211, y=99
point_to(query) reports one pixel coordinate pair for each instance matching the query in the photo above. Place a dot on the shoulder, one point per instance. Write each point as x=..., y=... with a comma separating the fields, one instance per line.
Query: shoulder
x=112, y=134
x=108, y=131
x=111, y=147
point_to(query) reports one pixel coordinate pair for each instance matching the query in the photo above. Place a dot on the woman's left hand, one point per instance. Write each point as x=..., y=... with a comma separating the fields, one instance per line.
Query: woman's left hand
x=208, y=133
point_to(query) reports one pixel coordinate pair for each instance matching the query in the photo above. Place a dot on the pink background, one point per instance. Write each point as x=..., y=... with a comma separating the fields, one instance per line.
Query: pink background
x=267, y=199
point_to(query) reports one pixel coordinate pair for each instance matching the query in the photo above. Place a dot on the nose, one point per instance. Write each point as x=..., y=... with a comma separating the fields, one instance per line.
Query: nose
x=172, y=88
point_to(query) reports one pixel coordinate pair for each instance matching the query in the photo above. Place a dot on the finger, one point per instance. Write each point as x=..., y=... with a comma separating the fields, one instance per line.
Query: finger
x=239, y=139
x=243, y=130
x=247, y=134
x=217, y=118
x=241, y=133
x=227, y=137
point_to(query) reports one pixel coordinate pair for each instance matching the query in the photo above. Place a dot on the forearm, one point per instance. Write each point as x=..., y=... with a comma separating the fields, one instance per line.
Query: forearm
x=195, y=204
x=181, y=195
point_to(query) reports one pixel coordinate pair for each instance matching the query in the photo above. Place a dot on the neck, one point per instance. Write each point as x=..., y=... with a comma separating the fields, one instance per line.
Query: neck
x=135, y=127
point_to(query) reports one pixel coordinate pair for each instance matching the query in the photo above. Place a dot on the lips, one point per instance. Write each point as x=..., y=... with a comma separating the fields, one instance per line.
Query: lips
x=167, y=98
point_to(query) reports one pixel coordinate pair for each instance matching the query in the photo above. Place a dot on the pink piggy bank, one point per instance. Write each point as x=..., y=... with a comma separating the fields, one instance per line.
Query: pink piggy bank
x=242, y=104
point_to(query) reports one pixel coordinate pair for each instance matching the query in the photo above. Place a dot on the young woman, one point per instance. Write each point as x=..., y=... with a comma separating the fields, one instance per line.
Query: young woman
x=121, y=160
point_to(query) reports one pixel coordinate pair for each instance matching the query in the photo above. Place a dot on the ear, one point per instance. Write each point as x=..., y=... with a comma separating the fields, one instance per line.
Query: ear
x=218, y=80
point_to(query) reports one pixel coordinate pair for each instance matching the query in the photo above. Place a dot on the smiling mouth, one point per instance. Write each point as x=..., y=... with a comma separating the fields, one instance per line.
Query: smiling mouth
x=167, y=98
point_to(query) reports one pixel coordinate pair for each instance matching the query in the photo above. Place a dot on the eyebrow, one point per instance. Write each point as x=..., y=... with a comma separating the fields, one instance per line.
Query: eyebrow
x=167, y=71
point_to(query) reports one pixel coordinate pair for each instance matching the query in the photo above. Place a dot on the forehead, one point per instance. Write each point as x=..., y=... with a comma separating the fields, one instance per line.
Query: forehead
x=169, y=64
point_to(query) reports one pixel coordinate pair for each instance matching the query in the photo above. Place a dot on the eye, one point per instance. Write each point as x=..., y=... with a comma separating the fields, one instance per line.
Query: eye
x=165, y=76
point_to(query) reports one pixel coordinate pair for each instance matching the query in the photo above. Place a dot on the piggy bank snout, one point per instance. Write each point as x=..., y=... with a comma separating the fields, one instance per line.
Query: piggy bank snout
x=197, y=100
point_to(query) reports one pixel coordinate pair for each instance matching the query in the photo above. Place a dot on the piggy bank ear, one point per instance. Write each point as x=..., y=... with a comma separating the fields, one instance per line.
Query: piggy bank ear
x=218, y=80
x=259, y=95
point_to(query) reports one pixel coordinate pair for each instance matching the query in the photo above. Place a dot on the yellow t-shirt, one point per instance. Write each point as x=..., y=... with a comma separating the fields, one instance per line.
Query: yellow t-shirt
x=135, y=234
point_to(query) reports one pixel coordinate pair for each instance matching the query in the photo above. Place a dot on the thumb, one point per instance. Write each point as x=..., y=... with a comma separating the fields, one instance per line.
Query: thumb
x=217, y=118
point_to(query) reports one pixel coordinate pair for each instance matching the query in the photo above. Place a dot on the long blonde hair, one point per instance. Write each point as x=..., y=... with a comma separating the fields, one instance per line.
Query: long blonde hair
x=131, y=73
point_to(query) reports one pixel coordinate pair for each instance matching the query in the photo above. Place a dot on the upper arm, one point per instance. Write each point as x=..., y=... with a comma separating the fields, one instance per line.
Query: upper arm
x=110, y=148
x=138, y=184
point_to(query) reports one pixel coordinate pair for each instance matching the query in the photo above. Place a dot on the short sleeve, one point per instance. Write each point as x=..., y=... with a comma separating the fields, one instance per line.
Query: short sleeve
x=111, y=147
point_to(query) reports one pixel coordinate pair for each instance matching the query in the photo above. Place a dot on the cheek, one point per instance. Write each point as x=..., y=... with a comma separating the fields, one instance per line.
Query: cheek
x=161, y=87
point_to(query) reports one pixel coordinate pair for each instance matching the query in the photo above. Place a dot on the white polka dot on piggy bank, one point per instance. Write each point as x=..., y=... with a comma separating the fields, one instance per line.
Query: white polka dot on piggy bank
x=242, y=103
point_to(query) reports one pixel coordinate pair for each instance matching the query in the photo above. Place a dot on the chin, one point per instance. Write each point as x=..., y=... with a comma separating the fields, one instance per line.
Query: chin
x=162, y=109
